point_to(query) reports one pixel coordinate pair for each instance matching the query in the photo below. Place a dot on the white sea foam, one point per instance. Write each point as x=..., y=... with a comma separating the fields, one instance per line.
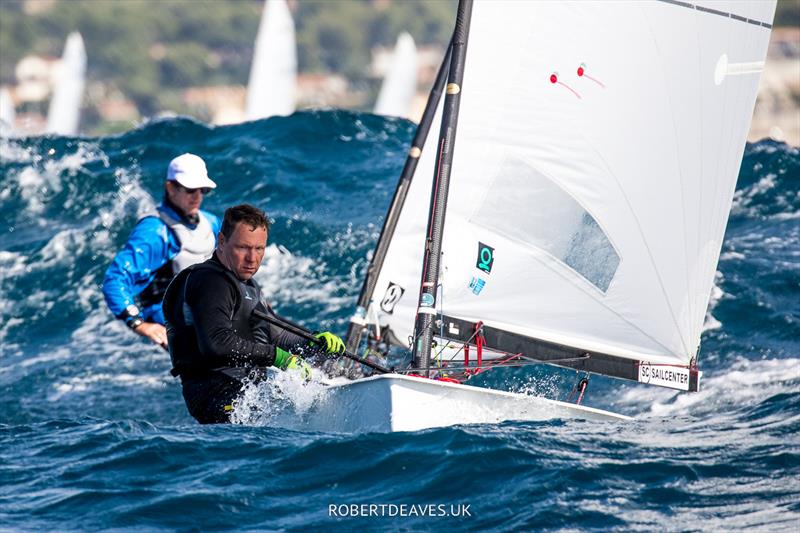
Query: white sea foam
x=286, y=277
x=745, y=382
x=41, y=180
x=31, y=184
x=546, y=386
x=731, y=255
x=129, y=189
x=85, y=383
x=280, y=400
x=11, y=264
x=742, y=197
x=717, y=294
x=8, y=349
x=788, y=216
x=751, y=201
x=11, y=150
x=61, y=248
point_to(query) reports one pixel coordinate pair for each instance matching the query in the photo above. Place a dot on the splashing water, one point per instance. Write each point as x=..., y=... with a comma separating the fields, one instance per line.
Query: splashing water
x=281, y=400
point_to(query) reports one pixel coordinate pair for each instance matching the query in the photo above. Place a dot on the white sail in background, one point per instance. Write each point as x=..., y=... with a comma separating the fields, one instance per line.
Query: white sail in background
x=63, y=116
x=273, y=74
x=596, y=157
x=7, y=114
x=400, y=83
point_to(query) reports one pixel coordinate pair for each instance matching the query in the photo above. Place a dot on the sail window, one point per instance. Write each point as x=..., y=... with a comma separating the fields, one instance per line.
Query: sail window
x=548, y=218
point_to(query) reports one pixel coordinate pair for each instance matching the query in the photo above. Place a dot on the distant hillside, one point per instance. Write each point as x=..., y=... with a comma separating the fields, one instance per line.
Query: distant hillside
x=144, y=48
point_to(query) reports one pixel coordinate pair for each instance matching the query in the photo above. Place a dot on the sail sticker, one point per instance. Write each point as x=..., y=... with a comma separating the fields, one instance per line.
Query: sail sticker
x=554, y=80
x=582, y=74
x=390, y=298
x=674, y=377
x=485, y=258
x=427, y=300
x=476, y=285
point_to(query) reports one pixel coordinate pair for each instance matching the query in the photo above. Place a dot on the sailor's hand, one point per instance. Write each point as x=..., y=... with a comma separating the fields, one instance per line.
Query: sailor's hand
x=286, y=361
x=295, y=363
x=282, y=358
x=155, y=332
x=333, y=344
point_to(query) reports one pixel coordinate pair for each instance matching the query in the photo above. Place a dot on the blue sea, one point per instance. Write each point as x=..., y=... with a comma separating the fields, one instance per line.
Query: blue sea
x=94, y=434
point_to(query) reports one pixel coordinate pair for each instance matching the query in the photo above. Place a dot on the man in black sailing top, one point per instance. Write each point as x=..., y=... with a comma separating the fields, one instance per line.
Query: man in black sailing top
x=215, y=340
x=176, y=235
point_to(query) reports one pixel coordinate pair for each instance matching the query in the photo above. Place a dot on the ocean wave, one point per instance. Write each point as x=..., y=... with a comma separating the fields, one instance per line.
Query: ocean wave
x=95, y=433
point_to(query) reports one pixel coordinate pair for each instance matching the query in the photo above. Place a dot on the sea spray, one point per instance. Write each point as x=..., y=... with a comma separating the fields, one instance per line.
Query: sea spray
x=281, y=399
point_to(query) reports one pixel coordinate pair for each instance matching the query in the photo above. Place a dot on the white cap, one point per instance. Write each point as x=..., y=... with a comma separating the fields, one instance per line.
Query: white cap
x=190, y=171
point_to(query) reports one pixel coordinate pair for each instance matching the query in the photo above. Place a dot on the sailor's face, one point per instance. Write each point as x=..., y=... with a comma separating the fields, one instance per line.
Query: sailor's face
x=243, y=251
x=187, y=200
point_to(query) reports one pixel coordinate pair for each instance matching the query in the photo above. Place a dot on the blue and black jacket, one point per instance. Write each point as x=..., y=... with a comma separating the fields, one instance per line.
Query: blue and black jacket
x=141, y=271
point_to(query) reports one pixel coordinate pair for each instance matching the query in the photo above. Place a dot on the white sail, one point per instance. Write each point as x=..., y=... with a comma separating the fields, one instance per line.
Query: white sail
x=394, y=300
x=63, y=116
x=400, y=83
x=597, y=152
x=7, y=114
x=273, y=73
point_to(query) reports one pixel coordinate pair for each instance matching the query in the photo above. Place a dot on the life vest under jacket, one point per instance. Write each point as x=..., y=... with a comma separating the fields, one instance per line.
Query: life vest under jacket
x=184, y=349
x=196, y=245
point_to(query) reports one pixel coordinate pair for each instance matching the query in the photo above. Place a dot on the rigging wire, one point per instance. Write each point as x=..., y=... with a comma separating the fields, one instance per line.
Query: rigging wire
x=508, y=362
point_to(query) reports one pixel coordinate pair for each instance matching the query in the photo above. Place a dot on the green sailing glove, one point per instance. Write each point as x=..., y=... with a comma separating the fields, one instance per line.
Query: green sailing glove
x=295, y=363
x=333, y=344
x=282, y=358
x=286, y=361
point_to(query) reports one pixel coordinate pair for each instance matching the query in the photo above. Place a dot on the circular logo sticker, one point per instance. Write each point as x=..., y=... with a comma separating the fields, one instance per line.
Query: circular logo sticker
x=427, y=300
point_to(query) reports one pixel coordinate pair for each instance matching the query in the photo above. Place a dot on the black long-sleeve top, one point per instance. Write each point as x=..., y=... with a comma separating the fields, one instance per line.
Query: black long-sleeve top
x=218, y=315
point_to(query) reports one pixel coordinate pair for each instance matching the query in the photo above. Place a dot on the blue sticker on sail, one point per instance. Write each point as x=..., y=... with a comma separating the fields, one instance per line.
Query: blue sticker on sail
x=477, y=285
x=426, y=300
x=485, y=258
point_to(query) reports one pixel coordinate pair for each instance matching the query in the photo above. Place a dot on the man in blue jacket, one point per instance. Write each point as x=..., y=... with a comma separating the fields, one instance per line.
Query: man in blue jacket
x=177, y=235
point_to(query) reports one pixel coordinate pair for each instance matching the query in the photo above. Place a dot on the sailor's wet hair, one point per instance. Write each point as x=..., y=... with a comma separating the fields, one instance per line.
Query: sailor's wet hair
x=250, y=215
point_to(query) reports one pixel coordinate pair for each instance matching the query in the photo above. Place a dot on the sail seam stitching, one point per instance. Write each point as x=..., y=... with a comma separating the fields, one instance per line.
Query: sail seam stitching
x=649, y=253
x=678, y=164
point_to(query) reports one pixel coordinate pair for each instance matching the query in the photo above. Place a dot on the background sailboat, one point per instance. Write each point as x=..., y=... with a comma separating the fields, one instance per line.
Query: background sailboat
x=63, y=116
x=7, y=114
x=272, y=88
x=400, y=83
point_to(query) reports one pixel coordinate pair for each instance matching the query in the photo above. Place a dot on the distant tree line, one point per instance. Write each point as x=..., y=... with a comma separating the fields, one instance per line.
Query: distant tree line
x=146, y=48
x=149, y=48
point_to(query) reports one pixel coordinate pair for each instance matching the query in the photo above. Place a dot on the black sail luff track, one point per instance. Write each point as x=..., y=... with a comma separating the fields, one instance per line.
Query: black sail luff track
x=433, y=246
x=356, y=328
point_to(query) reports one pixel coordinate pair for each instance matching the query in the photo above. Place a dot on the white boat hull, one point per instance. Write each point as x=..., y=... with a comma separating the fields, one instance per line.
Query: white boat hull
x=393, y=402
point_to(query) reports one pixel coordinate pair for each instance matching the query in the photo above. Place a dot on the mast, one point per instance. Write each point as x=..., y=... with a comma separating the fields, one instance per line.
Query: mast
x=426, y=311
x=357, y=322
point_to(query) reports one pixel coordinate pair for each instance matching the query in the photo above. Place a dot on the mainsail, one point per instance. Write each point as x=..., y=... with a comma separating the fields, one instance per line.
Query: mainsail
x=272, y=87
x=598, y=147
